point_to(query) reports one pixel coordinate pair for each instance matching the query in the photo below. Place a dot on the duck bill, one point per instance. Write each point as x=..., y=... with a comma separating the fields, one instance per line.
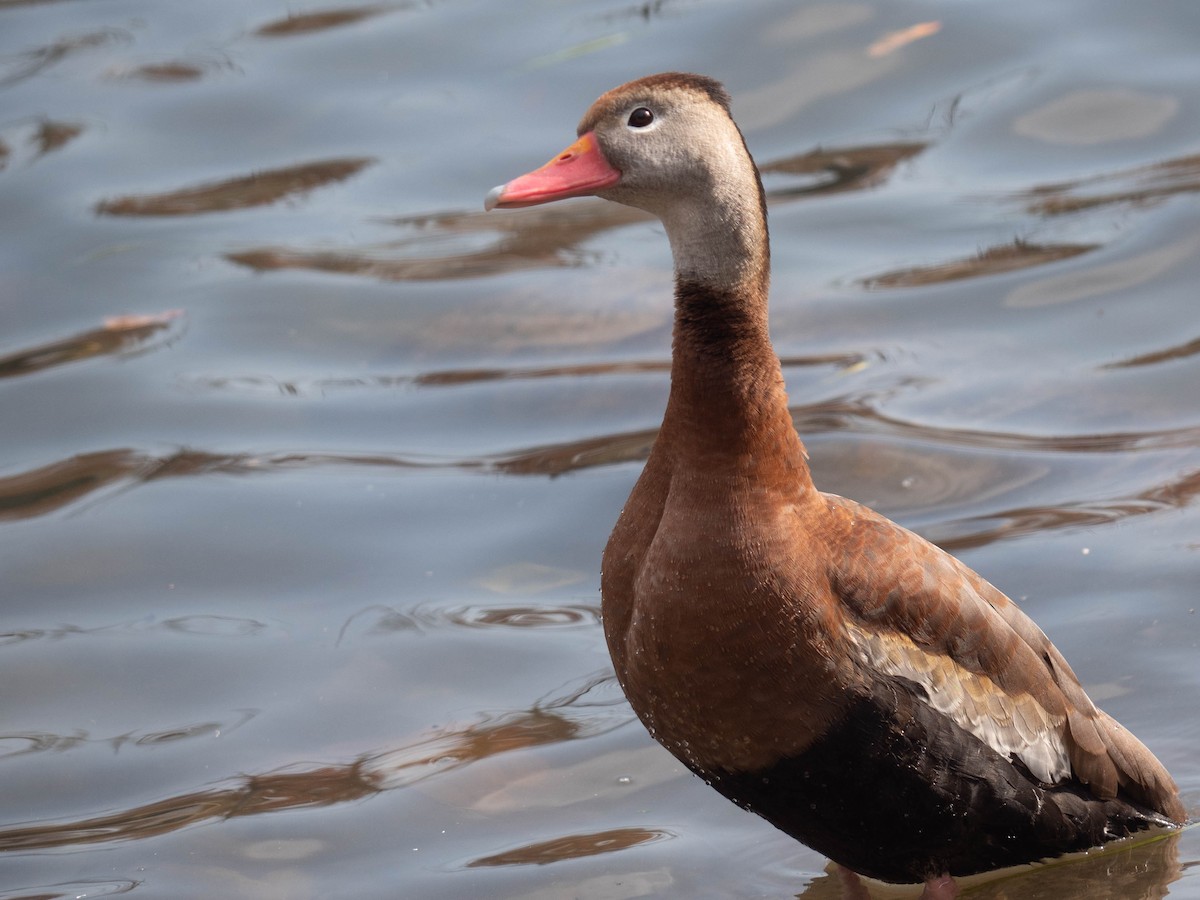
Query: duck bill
x=579, y=170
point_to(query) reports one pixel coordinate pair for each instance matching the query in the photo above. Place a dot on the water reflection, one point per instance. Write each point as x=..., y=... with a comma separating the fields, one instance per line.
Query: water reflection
x=242, y=192
x=71, y=890
x=992, y=261
x=1170, y=354
x=381, y=620
x=856, y=414
x=48, y=488
x=434, y=248
x=21, y=66
x=585, y=709
x=55, y=486
x=53, y=136
x=845, y=169
x=201, y=625
x=253, y=795
x=1135, y=869
x=321, y=387
x=118, y=336
x=40, y=137
x=322, y=20
x=441, y=247
x=23, y=744
x=164, y=72
x=573, y=846
x=977, y=531
x=1139, y=185
x=275, y=370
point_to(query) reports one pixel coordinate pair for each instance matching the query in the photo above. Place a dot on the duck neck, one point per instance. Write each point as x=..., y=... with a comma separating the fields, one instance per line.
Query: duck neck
x=728, y=409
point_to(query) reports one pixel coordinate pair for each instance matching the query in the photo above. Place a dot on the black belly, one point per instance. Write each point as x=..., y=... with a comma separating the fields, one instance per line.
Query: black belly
x=899, y=792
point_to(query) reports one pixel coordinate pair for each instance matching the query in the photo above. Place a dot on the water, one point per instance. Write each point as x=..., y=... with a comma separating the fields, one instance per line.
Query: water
x=307, y=462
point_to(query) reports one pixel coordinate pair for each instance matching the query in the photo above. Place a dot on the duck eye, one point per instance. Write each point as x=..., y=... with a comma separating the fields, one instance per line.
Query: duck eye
x=640, y=117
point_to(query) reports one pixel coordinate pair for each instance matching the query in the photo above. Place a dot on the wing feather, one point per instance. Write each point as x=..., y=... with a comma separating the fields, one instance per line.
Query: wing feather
x=917, y=612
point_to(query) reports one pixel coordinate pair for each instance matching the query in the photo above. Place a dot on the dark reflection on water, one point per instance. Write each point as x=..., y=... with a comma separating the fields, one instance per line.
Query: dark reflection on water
x=986, y=242
x=322, y=20
x=164, y=72
x=854, y=415
x=25, y=65
x=243, y=192
x=73, y=890
x=53, y=487
x=542, y=238
x=572, y=846
x=457, y=377
x=252, y=795
x=981, y=530
x=39, y=138
x=118, y=336
x=381, y=620
x=1170, y=354
x=1130, y=871
x=580, y=711
x=837, y=170
x=210, y=625
x=1139, y=185
x=1005, y=258
x=19, y=744
x=548, y=237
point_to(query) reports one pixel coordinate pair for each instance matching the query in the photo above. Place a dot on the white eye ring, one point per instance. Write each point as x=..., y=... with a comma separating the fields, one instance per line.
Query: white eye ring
x=641, y=118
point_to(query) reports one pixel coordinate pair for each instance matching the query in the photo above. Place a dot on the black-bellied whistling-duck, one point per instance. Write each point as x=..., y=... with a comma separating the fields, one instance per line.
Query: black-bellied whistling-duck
x=851, y=683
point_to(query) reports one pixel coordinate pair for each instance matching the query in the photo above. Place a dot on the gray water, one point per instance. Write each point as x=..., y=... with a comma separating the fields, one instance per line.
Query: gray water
x=306, y=462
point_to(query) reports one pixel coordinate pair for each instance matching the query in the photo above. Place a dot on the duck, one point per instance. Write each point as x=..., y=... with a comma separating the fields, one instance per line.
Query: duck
x=850, y=682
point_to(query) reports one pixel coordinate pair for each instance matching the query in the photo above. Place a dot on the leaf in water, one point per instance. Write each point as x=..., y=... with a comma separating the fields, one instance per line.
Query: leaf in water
x=529, y=578
x=259, y=189
x=894, y=40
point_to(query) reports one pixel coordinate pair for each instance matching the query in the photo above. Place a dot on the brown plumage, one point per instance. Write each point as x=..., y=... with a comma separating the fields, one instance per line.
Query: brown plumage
x=847, y=680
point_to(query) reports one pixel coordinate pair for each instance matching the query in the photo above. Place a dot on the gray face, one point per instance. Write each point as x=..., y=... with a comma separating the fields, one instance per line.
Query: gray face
x=670, y=147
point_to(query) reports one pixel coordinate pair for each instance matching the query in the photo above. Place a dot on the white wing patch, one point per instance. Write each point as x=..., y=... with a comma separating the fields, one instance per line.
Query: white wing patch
x=1011, y=725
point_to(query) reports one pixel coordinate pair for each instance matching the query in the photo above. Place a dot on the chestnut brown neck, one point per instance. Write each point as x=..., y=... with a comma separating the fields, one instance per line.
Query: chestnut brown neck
x=727, y=406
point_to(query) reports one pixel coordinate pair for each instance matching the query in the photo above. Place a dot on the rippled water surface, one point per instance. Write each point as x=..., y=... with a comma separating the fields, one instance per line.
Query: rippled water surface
x=307, y=462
